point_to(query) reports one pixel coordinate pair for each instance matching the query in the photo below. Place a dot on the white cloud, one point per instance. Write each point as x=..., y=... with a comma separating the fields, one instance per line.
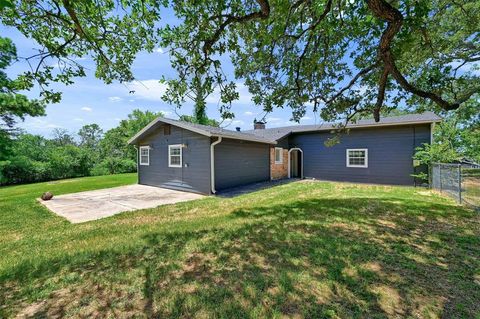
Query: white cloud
x=36, y=123
x=245, y=98
x=306, y=118
x=131, y=100
x=86, y=109
x=166, y=113
x=148, y=89
x=227, y=122
x=115, y=99
x=273, y=119
x=77, y=119
x=158, y=50
x=248, y=113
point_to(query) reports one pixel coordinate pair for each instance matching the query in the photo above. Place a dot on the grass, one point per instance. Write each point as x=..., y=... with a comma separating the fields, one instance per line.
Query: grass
x=471, y=186
x=471, y=191
x=304, y=249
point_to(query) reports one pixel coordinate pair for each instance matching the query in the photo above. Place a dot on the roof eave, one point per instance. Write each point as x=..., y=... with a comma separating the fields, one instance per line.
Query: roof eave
x=135, y=138
x=264, y=141
x=354, y=126
x=167, y=121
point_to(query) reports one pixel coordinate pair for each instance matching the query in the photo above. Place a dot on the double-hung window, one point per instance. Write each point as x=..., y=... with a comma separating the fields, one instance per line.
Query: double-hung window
x=144, y=155
x=278, y=155
x=357, y=157
x=175, y=155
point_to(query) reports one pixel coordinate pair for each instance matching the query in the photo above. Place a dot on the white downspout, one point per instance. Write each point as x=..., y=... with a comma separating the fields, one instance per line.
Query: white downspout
x=138, y=172
x=212, y=164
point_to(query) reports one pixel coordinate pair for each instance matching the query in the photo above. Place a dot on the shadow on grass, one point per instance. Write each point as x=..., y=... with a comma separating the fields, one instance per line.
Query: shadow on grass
x=254, y=187
x=316, y=258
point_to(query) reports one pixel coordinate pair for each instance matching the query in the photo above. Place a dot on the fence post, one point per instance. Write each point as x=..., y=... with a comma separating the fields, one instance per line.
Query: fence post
x=440, y=176
x=460, y=183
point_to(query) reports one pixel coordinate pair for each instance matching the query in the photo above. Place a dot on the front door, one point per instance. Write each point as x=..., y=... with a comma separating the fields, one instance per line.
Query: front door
x=295, y=164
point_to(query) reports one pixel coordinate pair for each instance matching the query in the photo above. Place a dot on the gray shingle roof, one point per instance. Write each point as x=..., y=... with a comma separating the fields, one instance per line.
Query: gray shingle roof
x=205, y=130
x=277, y=133
x=271, y=135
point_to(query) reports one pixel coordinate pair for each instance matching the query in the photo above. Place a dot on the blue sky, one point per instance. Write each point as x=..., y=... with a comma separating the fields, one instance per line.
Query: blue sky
x=89, y=100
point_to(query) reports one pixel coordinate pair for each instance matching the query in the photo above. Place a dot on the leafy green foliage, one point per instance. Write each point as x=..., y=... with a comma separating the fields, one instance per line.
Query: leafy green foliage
x=471, y=143
x=116, y=154
x=336, y=57
x=325, y=54
x=436, y=153
x=112, y=32
x=204, y=120
x=452, y=141
x=90, y=135
x=33, y=158
x=13, y=106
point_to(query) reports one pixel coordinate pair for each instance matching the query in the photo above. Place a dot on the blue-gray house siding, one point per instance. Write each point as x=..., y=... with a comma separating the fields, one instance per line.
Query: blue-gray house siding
x=240, y=162
x=193, y=176
x=283, y=143
x=243, y=158
x=390, y=151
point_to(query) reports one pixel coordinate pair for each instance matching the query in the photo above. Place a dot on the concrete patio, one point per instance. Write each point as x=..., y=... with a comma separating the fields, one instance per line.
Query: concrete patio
x=86, y=206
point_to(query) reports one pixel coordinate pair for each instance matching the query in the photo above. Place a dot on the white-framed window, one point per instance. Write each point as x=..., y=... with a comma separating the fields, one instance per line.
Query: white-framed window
x=175, y=155
x=144, y=155
x=278, y=155
x=357, y=157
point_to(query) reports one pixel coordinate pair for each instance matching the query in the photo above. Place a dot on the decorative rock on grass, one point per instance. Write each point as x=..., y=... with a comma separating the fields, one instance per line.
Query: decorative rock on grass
x=47, y=196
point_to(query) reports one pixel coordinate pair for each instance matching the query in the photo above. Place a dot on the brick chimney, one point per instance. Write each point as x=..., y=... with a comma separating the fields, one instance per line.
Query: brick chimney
x=258, y=125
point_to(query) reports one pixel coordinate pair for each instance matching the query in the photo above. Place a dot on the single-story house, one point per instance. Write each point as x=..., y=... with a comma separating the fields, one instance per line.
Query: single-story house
x=204, y=159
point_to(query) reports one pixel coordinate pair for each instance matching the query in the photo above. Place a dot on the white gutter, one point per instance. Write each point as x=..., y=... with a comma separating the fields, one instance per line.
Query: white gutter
x=212, y=164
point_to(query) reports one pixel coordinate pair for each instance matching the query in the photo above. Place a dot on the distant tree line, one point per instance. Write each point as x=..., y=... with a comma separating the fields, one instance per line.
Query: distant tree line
x=27, y=158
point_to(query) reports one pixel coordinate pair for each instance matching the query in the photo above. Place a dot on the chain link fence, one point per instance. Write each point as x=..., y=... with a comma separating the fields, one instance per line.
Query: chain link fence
x=459, y=182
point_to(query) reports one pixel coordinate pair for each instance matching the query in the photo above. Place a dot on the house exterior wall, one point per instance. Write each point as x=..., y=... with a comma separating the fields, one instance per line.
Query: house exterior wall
x=390, y=151
x=238, y=162
x=193, y=176
x=241, y=162
x=278, y=171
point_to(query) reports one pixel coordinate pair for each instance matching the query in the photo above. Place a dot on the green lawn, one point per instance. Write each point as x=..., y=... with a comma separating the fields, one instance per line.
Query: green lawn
x=304, y=249
x=471, y=190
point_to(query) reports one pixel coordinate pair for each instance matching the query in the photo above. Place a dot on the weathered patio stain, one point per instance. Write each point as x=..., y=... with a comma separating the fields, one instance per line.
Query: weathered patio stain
x=92, y=205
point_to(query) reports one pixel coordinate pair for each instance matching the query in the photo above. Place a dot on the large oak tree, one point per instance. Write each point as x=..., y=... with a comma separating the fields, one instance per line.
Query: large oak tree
x=339, y=57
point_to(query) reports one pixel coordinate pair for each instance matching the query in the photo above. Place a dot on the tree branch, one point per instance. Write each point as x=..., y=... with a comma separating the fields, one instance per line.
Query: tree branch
x=381, y=94
x=383, y=10
x=311, y=27
x=79, y=29
x=349, y=85
x=263, y=13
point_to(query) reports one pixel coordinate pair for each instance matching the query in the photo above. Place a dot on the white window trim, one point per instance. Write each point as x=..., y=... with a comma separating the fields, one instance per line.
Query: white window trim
x=358, y=149
x=169, y=155
x=140, y=155
x=281, y=155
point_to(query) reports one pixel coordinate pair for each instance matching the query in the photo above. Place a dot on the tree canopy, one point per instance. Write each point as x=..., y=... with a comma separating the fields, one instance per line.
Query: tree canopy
x=34, y=158
x=338, y=57
x=13, y=105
